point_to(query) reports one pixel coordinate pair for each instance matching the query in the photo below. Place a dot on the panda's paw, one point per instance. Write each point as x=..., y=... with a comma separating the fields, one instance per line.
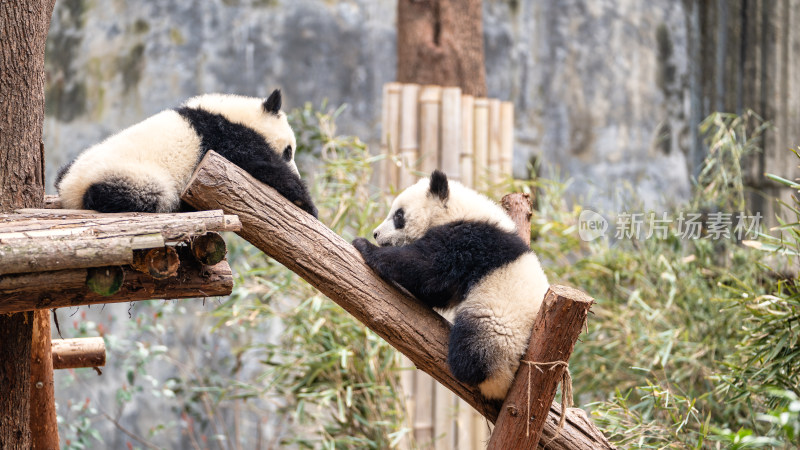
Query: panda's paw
x=363, y=246
x=308, y=207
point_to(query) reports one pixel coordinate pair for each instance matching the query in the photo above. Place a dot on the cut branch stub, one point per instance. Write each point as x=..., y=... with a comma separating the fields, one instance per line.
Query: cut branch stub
x=555, y=331
x=159, y=263
x=105, y=281
x=209, y=248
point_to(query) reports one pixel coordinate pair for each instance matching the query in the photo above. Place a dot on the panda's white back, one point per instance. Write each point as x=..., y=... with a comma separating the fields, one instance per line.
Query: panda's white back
x=162, y=149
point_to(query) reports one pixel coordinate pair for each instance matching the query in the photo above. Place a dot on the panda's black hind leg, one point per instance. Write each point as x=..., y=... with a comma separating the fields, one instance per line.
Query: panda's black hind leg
x=469, y=353
x=118, y=194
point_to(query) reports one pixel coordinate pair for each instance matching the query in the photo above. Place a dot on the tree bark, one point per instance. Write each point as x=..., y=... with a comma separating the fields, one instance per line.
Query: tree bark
x=23, y=32
x=332, y=265
x=79, y=352
x=441, y=42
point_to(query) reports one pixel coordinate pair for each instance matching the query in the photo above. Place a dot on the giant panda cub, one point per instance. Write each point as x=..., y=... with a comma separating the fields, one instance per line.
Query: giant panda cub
x=453, y=248
x=146, y=166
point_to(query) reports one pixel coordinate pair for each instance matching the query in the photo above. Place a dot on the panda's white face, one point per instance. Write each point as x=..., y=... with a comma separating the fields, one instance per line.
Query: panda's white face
x=263, y=116
x=432, y=202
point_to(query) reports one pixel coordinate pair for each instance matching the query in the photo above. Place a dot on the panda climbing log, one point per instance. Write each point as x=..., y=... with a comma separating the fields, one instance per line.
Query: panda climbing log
x=453, y=248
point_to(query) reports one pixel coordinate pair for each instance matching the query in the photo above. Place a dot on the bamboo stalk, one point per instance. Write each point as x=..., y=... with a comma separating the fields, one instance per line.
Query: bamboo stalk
x=494, y=139
x=79, y=352
x=451, y=133
x=467, y=155
x=443, y=417
x=506, y=139
x=390, y=134
x=464, y=425
x=423, y=413
x=409, y=134
x=407, y=378
x=430, y=101
x=481, y=143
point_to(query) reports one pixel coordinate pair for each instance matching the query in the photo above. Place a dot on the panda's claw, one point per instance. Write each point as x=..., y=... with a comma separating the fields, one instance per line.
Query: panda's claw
x=363, y=246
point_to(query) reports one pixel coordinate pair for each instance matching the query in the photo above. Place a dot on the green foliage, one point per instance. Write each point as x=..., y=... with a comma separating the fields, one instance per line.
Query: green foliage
x=689, y=337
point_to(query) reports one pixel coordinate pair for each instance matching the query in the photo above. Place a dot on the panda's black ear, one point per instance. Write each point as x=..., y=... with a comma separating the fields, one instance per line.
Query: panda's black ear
x=272, y=104
x=439, y=186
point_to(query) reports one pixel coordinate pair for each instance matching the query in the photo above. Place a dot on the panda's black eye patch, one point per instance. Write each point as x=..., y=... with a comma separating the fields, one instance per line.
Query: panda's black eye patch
x=287, y=153
x=399, y=219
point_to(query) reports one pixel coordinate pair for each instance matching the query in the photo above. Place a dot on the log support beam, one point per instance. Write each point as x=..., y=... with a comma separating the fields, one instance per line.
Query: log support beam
x=79, y=352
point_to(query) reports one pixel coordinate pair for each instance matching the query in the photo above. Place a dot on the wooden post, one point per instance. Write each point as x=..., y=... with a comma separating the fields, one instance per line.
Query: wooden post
x=409, y=134
x=44, y=427
x=558, y=325
x=329, y=263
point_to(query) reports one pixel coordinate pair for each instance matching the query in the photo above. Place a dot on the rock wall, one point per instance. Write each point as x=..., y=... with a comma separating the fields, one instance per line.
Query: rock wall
x=599, y=86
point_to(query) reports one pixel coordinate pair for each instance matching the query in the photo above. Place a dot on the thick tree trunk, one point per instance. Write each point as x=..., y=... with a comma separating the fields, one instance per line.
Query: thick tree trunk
x=441, y=42
x=23, y=32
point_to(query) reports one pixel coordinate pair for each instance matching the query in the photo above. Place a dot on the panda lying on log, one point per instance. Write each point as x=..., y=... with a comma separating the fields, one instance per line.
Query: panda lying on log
x=452, y=247
x=145, y=167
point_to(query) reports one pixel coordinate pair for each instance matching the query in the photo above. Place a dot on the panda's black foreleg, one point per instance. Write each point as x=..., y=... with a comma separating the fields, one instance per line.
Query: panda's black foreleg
x=282, y=178
x=410, y=268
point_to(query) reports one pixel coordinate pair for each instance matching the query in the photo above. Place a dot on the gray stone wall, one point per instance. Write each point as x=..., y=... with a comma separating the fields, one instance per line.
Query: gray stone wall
x=599, y=86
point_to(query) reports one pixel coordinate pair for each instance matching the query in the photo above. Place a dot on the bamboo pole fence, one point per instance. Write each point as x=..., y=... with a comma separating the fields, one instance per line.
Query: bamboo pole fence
x=429, y=127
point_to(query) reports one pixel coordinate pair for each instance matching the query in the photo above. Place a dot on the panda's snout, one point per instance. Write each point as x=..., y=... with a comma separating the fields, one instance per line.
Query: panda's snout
x=375, y=234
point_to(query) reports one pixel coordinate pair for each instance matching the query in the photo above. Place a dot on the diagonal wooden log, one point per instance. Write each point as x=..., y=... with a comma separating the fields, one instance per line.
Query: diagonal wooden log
x=332, y=265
